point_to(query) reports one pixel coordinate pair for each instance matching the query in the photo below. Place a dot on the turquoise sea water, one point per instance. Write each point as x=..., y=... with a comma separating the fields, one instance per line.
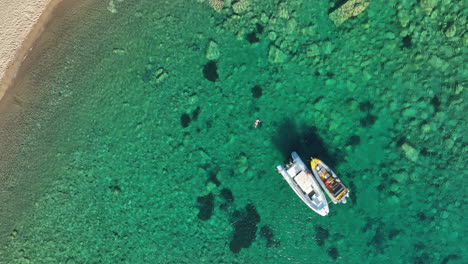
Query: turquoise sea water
x=139, y=146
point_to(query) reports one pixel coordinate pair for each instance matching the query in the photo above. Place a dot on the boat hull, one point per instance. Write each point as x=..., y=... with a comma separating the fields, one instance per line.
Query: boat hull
x=329, y=181
x=302, y=181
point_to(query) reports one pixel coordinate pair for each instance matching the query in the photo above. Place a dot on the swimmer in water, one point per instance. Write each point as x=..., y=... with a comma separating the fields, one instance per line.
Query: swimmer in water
x=257, y=123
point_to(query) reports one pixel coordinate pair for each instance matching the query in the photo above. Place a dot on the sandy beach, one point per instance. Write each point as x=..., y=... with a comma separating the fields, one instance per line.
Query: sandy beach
x=21, y=23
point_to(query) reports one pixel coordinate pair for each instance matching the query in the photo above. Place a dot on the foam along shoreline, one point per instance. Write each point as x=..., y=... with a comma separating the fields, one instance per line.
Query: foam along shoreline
x=21, y=24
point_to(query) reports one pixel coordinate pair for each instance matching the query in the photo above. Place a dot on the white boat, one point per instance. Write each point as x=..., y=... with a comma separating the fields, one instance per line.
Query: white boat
x=303, y=183
x=329, y=181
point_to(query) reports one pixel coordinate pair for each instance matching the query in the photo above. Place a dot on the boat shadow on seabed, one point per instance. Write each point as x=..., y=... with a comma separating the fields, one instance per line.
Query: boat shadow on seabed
x=305, y=141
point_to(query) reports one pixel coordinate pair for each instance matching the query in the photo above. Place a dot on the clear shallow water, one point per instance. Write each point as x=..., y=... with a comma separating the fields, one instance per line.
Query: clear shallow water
x=146, y=156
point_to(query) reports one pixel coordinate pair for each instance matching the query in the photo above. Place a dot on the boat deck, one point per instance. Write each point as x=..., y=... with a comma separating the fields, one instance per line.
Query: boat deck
x=336, y=188
x=304, y=181
x=329, y=181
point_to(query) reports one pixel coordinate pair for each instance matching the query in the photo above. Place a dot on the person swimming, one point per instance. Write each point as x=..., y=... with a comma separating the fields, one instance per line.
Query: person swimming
x=257, y=123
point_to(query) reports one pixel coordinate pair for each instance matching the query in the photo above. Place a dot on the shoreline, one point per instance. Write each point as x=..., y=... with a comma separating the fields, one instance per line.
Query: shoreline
x=21, y=104
x=25, y=32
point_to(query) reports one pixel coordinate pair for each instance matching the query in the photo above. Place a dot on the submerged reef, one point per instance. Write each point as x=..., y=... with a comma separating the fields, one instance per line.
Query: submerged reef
x=245, y=228
x=210, y=71
x=205, y=205
x=347, y=10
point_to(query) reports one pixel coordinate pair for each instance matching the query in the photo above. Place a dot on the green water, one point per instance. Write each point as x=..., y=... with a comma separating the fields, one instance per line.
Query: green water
x=138, y=153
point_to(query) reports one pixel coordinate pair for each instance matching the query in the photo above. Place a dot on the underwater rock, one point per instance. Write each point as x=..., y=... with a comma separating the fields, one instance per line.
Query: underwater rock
x=368, y=120
x=217, y=5
x=227, y=195
x=450, y=257
x=205, y=205
x=256, y=91
x=252, y=37
x=185, y=120
x=115, y=189
x=428, y=5
x=111, y=7
x=159, y=75
x=330, y=82
x=211, y=187
x=241, y=6
x=395, y=188
x=13, y=234
x=409, y=112
x=333, y=253
x=321, y=235
x=210, y=71
x=410, y=152
x=403, y=17
x=349, y=9
x=283, y=11
x=193, y=99
x=401, y=177
x=242, y=163
x=393, y=200
x=291, y=26
x=438, y=63
x=378, y=240
x=212, y=52
x=203, y=155
x=272, y=35
x=444, y=215
x=327, y=47
x=196, y=113
x=353, y=140
x=276, y=56
x=421, y=216
x=393, y=233
x=406, y=42
x=365, y=106
x=119, y=51
x=245, y=228
x=313, y=50
x=212, y=177
x=450, y=31
x=259, y=28
x=267, y=234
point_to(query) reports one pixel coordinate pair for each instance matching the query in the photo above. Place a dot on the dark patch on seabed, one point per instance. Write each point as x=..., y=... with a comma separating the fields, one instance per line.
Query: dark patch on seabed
x=353, y=192
x=257, y=91
x=210, y=71
x=245, y=228
x=212, y=177
x=321, y=235
x=406, y=42
x=227, y=199
x=333, y=253
x=306, y=142
x=267, y=234
x=185, y=120
x=205, y=205
x=253, y=36
x=227, y=195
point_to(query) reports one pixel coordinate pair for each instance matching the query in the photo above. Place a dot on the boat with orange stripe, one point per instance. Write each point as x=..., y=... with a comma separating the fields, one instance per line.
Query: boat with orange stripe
x=329, y=181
